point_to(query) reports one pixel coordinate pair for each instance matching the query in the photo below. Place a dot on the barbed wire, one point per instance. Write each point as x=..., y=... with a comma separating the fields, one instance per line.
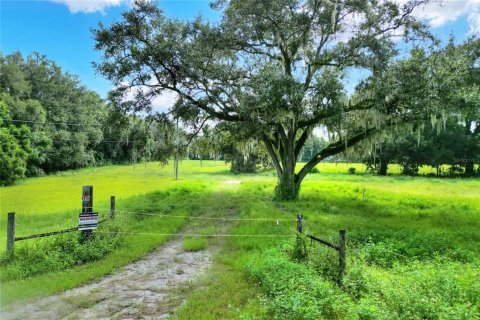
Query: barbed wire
x=107, y=212
x=206, y=218
x=194, y=234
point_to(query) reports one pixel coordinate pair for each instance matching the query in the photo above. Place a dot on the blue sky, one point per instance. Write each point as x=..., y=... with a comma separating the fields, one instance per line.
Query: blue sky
x=60, y=29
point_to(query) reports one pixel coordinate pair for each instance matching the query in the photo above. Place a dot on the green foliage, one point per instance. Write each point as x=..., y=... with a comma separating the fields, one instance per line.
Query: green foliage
x=274, y=70
x=295, y=291
x=15, y=148
x=313, y=146
x=407, y=239
x=352, y=170
x=314, y=170
x=246, y=155
x=299, y=252
x=69, y=126
x=454, y=145
x=59, y=253
x=36, y=91
x=13, y=158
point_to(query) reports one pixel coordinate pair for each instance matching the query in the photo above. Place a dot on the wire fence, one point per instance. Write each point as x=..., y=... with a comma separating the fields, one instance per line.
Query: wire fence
x=112, y=213
x=195, y=234
x=208, y=218
x=301, y=231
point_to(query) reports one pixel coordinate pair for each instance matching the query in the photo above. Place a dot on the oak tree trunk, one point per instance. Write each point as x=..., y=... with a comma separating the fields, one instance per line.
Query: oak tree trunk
x=382, y=170
x=469, y=168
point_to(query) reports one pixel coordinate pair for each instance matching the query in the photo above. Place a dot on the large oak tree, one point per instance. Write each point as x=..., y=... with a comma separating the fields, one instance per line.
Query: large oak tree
x=272, y=68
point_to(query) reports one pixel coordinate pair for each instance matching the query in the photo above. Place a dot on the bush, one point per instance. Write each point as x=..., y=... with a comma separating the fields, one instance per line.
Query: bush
x=314, y=170
x=296, y=291
x=58, y=253
x=410, y=169
x=352, y=170
x=408, y=290
x=13, y=155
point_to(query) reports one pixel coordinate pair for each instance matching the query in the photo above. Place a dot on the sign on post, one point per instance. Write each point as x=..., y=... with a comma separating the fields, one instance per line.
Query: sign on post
x=87, y=220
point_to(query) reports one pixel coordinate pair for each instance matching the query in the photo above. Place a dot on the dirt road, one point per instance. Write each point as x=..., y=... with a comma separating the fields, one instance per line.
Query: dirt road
x=150, y=288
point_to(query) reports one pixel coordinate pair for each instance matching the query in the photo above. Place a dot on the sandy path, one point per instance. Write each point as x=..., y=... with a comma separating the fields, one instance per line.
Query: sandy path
x=147, y=289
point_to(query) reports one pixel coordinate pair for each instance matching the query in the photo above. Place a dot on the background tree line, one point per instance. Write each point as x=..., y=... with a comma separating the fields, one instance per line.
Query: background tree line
x=49, y=122
x=455, y=146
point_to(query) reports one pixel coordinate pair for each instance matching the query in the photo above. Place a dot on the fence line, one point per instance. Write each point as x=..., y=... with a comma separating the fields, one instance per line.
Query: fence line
x=47, y=234
x=208, y=218
x=11, y=226
x=148, y=214
x=25, y=229
x=340, y=247
x=87, y=229
x=196, y=234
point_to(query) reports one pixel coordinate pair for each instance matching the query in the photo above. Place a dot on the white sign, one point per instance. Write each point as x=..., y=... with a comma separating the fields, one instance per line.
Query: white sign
x=88, y=221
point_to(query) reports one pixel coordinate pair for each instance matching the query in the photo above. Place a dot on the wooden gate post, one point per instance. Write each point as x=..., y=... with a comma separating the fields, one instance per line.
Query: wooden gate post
x=112, y=207
x=87, y=207
x=341, y=254
x=10, y=233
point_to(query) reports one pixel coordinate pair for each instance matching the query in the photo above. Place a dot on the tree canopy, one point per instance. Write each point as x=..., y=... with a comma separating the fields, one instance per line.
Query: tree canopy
x=275, y=67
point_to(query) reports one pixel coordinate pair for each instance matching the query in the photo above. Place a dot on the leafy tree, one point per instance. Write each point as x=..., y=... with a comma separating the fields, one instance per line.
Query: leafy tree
x=467, y=97
x=445, y=147
x=34, y=114
x=14, y=149
x=12, y=77
x=274, y=67
x=313, y=146
x=65, y=119
x=245, y=155
x=203, y=146
x=446, y=84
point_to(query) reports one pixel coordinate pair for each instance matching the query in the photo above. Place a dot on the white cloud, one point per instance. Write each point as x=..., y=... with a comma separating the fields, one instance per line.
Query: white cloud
x=161, y=103
x=438, y=14
x=164, y=101
x=435, y=13
x=89, y=6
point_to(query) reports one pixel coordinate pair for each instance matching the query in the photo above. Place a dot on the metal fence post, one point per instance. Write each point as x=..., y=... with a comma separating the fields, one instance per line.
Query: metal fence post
x=112, y=207
x=10, y=233
x=341, y=254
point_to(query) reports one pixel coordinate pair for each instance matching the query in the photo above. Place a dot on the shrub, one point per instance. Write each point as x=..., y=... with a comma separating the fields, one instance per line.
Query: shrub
x=352, y=170
x=296, y=291
x=314, y=170
x=408, y=290
x=58, y=253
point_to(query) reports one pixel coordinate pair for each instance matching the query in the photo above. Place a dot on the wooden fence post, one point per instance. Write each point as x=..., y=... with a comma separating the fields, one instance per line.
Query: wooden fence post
x=299, y=223
x=112, y=207
x=10, y=233
x=341, y=254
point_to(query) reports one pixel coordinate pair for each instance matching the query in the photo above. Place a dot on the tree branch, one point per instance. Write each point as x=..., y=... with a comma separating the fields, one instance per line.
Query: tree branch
x=273, y=155
x=301, y=141
x=196, y=132
x=328, y=113
x=331, y=150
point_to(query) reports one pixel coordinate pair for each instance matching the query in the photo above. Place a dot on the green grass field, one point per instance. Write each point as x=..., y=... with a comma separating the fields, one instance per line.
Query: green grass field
x=412, y=243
